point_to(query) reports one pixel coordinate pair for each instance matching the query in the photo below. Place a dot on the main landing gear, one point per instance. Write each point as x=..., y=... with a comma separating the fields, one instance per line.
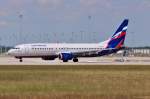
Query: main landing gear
x=75, y=60
x=65, y=61
x=20, y=60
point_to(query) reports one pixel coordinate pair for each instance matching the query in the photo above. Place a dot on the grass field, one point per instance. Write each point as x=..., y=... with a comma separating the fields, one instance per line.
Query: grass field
x=75, y=82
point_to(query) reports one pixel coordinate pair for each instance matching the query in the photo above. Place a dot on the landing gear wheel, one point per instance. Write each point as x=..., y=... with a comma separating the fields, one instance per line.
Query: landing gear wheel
x=75, y=60
x=65, y=60
x=20, y=60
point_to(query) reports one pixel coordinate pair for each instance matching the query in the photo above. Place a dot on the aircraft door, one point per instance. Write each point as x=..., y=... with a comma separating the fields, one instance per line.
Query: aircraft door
x=26, y=51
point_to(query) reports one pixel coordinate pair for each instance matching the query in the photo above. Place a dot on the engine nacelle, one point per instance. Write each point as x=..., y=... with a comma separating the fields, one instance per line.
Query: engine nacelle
x=66, y=56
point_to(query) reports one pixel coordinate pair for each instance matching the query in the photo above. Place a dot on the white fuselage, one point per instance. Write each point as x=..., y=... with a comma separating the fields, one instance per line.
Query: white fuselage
x=45, y=49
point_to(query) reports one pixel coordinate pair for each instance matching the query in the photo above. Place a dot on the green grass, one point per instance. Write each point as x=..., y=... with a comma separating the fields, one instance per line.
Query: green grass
x=75, y=82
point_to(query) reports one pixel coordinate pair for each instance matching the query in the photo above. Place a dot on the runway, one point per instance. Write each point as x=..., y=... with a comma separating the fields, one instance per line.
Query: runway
x=5, y=60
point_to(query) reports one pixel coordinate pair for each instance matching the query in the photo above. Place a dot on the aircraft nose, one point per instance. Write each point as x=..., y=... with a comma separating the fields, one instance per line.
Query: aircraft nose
x=10, y=52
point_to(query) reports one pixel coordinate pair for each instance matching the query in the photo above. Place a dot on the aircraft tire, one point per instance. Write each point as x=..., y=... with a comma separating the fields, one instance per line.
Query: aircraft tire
x=20, y=60
x=75, y=60
x=65, y=60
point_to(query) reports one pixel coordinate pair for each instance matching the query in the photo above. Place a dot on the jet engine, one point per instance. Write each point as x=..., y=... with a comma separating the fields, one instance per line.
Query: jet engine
x=66, y=56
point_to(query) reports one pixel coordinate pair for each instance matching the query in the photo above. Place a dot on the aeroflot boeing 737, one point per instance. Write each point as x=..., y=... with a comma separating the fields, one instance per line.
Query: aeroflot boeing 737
x=66, y=52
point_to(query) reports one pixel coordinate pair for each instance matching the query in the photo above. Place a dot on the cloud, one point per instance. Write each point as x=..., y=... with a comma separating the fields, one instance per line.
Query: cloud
x=17, y=3
x=109, y=4
x=95, y=6
x=95, y=3
x=146, y=3
x=50, y=3
x=3, y=23
x=3, y=13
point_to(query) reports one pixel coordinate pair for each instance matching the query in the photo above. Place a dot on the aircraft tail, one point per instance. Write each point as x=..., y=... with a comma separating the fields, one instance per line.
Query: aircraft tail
x=118, y=38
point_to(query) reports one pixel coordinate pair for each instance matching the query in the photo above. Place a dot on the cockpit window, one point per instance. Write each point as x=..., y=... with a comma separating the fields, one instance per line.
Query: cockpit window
x=16, y=48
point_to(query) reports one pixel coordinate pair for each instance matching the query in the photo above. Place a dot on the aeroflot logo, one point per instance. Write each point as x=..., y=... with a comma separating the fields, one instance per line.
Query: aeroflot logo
x=120, y=33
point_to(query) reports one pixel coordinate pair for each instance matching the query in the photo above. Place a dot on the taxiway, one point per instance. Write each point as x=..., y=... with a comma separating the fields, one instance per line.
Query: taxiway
x=5, y=60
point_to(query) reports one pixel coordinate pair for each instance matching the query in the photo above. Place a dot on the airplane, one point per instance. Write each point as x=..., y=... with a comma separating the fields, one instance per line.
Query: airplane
x=71, y=51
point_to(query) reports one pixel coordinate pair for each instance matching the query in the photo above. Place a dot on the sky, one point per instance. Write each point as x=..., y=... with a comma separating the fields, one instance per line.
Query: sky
x=74, y=21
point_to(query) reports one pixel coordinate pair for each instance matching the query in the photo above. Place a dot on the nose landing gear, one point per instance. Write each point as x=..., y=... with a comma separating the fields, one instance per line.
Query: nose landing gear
x=20, y=60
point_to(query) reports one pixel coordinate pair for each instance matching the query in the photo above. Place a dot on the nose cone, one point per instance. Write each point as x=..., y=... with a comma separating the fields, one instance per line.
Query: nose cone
x=10, y=52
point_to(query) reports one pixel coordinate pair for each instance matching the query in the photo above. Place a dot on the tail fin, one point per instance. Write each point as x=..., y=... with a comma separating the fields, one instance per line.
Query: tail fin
x=118, y=38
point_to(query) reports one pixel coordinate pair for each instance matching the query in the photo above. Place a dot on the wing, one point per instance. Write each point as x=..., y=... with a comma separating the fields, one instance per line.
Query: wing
x=95, y=53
